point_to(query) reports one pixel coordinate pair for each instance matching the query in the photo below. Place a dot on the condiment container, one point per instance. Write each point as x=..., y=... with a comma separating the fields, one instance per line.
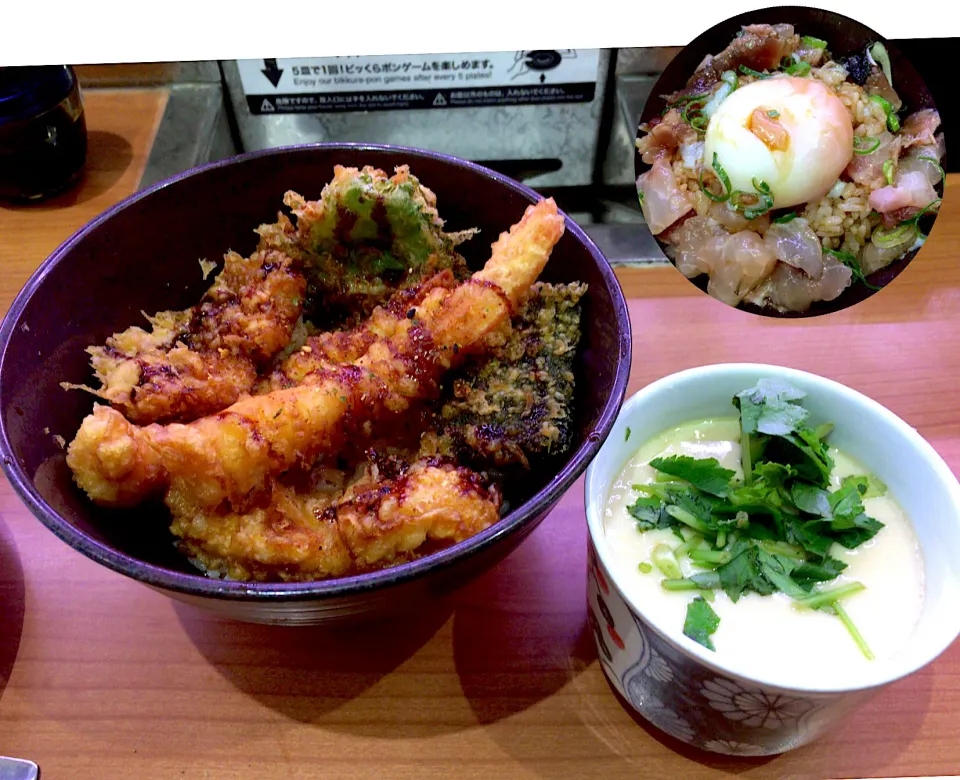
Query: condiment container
x=43, y=133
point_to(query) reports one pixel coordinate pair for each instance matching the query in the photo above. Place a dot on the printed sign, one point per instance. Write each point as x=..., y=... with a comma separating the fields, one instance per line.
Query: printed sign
x=374, y=83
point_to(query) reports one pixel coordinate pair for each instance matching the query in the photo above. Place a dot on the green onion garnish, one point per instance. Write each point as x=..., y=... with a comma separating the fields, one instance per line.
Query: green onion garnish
x=724, y=180
x=888, y=171
x=936, y=163
x=865, y=145
x=678, y=584
x=687, y=99
x=893, y=124
x=898, y=235
x=788, y=217
x=801, y=68
x=813, y=43
x=693, y=114
x=640, y=196
x=925, y=210
x=663, y=558
x=755, y=73
x=851, y=262
x=773, y=114
x=738, y=199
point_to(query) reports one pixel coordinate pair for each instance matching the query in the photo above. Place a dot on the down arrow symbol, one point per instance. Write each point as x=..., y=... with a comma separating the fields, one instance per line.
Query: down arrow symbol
x=271, y=71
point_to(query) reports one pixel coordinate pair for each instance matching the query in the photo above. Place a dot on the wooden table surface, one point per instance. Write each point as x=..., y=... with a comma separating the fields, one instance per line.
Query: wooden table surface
x=102, y=678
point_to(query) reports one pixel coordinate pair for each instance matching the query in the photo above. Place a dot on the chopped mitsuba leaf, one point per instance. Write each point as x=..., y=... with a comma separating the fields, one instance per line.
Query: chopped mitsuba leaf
x=704, y=473
x=771, y=531
x=768, y=408
x=701, y=622
x=649, y=512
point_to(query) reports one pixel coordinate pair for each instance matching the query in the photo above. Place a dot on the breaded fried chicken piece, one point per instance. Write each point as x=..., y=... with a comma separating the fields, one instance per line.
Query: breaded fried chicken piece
x=379, y=521
x=195, y=362
x=233, y=454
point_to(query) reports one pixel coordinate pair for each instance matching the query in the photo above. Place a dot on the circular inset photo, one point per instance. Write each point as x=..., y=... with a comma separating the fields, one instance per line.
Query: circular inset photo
x=790, y=162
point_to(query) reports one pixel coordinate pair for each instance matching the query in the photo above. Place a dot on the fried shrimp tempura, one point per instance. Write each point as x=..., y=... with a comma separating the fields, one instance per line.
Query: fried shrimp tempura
x=347, y=346
x=233, y=455
x=201, y=360
x=377, y=522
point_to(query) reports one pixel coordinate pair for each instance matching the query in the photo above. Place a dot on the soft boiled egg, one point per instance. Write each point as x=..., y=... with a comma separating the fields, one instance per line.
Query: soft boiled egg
x=792, y=133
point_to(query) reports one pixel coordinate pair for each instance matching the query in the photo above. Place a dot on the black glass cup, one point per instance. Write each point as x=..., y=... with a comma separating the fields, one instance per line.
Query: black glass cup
x=43, y=132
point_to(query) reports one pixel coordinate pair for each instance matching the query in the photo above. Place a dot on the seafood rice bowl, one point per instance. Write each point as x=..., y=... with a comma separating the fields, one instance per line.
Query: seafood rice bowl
x=786, y=173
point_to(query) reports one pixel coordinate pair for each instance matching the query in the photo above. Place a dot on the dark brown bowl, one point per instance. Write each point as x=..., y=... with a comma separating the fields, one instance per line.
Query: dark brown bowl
x=142, y=255
x=845, y=36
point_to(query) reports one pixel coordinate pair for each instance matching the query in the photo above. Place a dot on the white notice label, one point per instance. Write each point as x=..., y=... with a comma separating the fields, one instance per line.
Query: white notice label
x=378, y=83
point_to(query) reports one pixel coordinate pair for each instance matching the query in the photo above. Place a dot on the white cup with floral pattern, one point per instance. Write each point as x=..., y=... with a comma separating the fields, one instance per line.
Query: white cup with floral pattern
x=678, y=685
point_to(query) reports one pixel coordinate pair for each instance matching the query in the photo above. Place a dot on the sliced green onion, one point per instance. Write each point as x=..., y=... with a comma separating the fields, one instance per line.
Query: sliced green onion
x=755, y=73
x=936, y=163
x=851, y=262
x=692, y=113
x=888, y=171
x=678, y=584
x=724, y=180
x=883, y=103
x=878, y=52
x=773, y=114
x=682, y=549
x=678, y=513
x=730, y=77
x=788, y=217
x=813, y=43
x=640, y=196
x=801, y=68
x=752, y=211
x=645, y=567
x=923, y=212
x=760, y=210
x=663, y=558
x=721, y=173
x=828, y=596
x=865, y=145
x=898, y=235
x=893, y=123
x=687, y=99
x=719, y=557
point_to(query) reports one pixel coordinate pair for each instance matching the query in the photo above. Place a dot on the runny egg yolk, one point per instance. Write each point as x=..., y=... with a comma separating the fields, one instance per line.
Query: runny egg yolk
x=793, y=134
